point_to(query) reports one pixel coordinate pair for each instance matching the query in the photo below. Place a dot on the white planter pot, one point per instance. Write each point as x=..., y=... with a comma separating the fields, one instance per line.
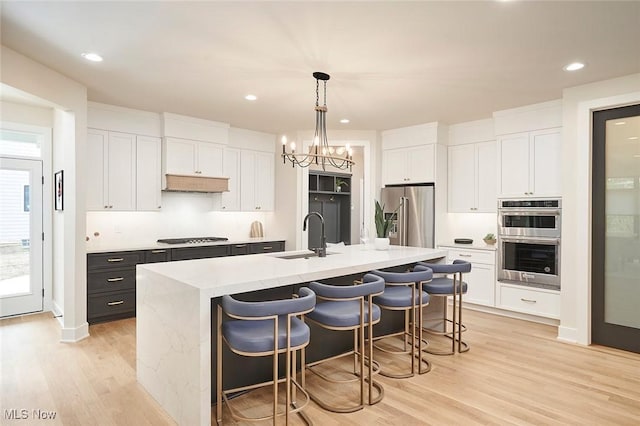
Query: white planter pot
x=381, y=243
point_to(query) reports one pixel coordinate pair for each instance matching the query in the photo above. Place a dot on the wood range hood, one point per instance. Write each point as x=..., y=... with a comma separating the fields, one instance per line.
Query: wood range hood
x=186, y=183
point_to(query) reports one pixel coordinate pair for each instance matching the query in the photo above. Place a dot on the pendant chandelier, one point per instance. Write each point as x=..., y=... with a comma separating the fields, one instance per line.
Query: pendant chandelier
x=320, y=152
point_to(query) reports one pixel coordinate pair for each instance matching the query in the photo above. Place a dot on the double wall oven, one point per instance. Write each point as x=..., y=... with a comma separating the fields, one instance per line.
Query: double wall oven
x=529, y=242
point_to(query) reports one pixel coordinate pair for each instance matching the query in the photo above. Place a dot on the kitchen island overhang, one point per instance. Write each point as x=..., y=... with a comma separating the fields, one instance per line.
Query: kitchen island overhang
x=174, y=317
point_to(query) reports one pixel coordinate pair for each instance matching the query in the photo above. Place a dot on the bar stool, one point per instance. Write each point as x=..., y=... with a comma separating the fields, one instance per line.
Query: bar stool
x=444, y=287
x=346, y=308
x=265, y=329
x=403, y=292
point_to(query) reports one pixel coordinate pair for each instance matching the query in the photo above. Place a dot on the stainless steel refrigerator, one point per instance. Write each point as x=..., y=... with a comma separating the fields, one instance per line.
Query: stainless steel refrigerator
x=413, y=225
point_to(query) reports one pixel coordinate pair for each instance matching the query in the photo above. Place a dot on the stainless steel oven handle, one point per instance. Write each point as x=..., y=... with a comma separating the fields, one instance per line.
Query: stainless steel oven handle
x=531, y=212
x=530, y=240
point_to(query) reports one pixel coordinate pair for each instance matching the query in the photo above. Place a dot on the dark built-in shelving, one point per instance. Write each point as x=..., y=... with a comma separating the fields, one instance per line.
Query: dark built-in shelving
x=330, y=195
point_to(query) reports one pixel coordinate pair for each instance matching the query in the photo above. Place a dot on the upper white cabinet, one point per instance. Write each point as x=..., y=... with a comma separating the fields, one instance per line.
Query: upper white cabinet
x=530, y=163
x=123, y=171
x=148, y=176
x=472, y=178
x=414, y=154
x=230, y=201
x=529, y=150
x=111, y=160
x=192, y=158
x=409, y=165
x=256, y=181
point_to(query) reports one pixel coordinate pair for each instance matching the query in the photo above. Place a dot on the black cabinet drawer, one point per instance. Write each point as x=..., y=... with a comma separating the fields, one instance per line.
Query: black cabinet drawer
x=269, y=247
x=120, y=304
x=159, y=255
x=113, y=260
x=237, y=249
x=187, y=253
x=111, y=280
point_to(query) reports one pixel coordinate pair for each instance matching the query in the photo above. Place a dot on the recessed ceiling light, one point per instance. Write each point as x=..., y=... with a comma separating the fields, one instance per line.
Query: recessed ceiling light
x=344, y=120
x=93, y=57
x=633, y=138
x=251, y=97
x=574, y=66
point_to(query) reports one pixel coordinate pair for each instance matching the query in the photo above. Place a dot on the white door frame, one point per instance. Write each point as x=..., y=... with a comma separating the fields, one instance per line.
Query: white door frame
x=47, y=206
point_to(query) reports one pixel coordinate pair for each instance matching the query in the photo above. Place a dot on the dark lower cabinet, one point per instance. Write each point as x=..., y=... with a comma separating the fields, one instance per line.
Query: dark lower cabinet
x=270, y=247
x=111, y=276
x=189, y=253
x=111, y=285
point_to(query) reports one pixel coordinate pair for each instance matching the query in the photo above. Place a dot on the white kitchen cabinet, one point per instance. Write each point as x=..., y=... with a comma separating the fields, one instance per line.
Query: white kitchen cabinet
x=230, y=201
x=148, y=173
x=256, y=181
x=192, y=158
x=530, y=163
x=481, y=281
x=472, y=178
x=528, y=300
x=111, y=160
x=409, y=165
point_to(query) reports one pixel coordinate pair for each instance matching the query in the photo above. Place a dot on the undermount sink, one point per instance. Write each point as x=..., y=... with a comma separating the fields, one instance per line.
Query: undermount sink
x=305, y=255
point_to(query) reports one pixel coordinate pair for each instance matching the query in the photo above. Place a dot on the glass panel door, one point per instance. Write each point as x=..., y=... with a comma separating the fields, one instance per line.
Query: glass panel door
x=616, y=228
x=20, y=236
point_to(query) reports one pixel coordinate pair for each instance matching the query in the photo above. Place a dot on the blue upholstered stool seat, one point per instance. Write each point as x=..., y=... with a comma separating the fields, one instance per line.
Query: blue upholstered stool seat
x=257, y=336
x=442, y=286
x=400, y=297
x=342, y=314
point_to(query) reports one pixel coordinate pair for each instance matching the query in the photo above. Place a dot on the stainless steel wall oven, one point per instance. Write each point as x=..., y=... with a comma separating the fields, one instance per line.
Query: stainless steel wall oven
x=529, y=242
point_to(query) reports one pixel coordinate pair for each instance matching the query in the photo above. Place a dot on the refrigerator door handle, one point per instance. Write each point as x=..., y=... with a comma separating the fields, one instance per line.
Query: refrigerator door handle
x=404, y=240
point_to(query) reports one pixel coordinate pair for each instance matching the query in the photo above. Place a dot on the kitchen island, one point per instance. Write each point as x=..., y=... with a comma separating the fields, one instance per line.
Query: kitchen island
x=174, y=312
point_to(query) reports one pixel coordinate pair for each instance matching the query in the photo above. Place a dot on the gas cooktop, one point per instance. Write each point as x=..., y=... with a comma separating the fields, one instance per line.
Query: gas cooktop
x=193, y=240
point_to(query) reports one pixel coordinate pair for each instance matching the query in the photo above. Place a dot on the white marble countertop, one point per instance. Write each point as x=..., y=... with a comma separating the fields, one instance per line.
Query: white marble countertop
x=237, y=274
x=97, y=247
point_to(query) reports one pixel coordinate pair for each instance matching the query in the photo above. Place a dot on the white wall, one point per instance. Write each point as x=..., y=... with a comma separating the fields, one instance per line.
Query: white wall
x=26, y=114
x=70, y=97
x=578, y=102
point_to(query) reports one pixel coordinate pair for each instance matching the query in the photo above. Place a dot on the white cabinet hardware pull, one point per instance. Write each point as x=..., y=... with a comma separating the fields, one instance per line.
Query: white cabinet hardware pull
x=113, y=280
x=119, y=302
x=240, y=245
x=528, y=300
x=115, y=259
x=158, y=251
x=267, y=248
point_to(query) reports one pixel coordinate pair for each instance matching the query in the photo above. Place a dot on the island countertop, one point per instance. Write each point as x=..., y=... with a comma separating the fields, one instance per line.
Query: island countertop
x=174, y=303
x=239, y=274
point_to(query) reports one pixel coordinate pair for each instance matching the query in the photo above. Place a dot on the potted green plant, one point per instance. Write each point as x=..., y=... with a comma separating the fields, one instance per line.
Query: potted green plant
x=340, y=183
x=383, y=226
x=489, y=239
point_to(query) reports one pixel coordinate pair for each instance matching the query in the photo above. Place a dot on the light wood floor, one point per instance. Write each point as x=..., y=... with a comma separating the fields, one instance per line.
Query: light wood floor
x=515, y=373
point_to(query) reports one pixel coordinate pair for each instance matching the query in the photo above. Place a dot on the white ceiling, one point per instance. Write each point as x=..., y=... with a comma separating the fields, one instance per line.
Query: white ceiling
x=392, y=64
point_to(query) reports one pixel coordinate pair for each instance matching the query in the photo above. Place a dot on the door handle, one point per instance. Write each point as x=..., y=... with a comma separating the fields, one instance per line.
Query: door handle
x=119, y=302
x=528, y=300
x=115, y=280
x=158, y=251
x=115, y=259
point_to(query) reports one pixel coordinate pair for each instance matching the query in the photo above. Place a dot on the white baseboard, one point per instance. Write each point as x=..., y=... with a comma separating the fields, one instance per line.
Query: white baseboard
x=72, y=335
x=568, y=334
